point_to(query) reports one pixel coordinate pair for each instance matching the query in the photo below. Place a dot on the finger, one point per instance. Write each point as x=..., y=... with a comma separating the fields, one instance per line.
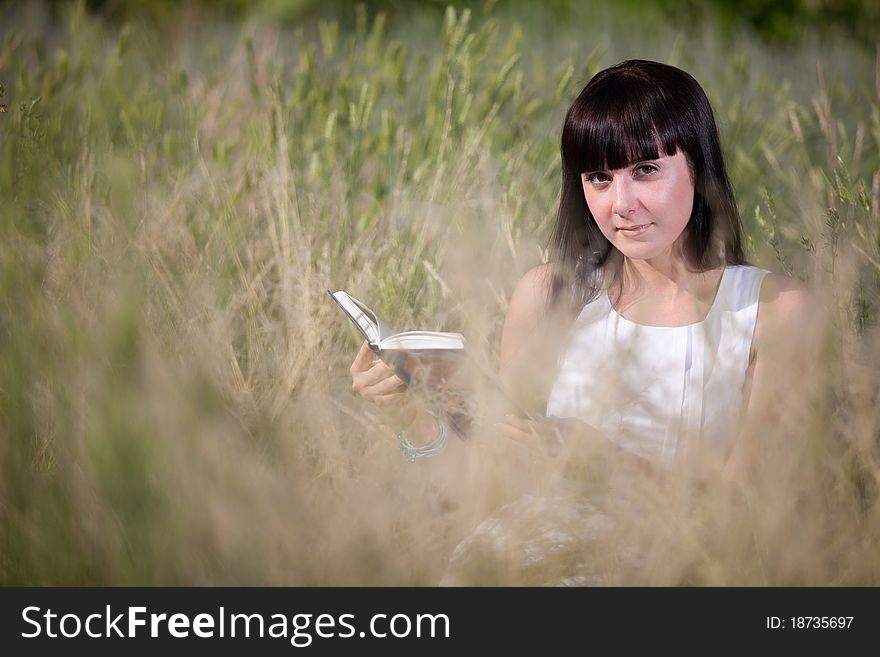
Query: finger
x=523, y=444
x=529, y=434
x=516, y=423
x=515, y=434
x=371, y=376
x=384, y=387
x=363, y=360
x=378, y=373
x=521, y=424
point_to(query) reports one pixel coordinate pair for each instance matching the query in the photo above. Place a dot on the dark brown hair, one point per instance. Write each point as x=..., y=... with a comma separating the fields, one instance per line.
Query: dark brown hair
x=639, y=110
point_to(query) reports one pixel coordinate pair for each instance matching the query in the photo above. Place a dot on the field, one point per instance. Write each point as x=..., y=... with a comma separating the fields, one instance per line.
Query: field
x=176, y=196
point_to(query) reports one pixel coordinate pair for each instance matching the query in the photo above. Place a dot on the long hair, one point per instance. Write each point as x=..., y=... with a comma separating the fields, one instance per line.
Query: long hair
x=639, y=110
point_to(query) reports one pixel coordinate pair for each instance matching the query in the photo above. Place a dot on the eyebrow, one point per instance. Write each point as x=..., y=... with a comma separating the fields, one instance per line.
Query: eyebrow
x=627, y=166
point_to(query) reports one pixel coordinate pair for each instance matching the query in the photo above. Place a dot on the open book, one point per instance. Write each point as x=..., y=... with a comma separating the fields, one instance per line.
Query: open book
x=433, y=362
x=397, y=349
x=382, y=338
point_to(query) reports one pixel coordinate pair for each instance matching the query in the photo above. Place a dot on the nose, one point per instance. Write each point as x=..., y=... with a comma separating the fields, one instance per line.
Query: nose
x=624, y=203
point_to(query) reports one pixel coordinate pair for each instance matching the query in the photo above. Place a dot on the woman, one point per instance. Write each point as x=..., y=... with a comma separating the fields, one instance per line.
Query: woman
x=671, y=335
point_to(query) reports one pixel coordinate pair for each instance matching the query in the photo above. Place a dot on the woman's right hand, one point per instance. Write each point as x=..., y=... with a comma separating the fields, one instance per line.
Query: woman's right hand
x=373, y=380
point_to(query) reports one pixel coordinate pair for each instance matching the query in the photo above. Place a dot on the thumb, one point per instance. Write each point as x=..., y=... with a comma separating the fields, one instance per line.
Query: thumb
x=364, y=358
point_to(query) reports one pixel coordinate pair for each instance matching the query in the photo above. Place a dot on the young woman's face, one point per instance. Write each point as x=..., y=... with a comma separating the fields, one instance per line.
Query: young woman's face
x=643, y=208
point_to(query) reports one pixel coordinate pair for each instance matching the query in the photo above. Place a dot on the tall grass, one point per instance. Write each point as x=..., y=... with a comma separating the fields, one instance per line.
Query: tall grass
x=174, y=391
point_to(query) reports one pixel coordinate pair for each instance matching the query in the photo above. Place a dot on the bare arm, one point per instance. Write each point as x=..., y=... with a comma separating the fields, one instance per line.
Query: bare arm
x=530, y=341
x=523, y=325
x=783, y=363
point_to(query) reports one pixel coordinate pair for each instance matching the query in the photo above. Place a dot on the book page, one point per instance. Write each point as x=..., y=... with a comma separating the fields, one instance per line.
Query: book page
x=423, y=340
x=382, y=329
x=366, y=321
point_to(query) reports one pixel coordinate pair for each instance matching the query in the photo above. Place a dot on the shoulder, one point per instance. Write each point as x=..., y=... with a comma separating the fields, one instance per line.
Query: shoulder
x=532, y=291
x=781, y=294
x=527, y=306
x=785, y=307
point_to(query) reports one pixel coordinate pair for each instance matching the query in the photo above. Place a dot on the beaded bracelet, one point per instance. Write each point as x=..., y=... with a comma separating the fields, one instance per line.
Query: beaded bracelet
x=411, y=452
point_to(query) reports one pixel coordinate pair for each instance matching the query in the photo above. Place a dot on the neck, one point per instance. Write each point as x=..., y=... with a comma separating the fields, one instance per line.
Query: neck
x=664, y=276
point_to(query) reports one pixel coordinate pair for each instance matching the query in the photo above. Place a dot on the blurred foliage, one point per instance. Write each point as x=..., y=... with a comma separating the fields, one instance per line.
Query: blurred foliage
x=785, y=21
x=777, y=21
x=176, y=194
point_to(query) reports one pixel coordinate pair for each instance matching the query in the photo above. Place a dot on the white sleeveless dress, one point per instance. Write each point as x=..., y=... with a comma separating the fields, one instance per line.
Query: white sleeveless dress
x=656, y=390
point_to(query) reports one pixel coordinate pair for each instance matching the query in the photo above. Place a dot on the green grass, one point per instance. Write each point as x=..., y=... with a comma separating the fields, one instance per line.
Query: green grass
x=174, y=392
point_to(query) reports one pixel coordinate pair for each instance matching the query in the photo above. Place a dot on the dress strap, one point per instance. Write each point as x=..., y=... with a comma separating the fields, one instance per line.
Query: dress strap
x=740, y=289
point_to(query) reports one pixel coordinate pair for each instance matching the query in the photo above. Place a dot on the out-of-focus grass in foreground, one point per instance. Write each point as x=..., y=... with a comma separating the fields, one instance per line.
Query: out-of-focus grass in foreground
x=174, y=391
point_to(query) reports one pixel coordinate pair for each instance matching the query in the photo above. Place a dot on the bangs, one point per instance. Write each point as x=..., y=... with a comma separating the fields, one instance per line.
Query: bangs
x=621, y=121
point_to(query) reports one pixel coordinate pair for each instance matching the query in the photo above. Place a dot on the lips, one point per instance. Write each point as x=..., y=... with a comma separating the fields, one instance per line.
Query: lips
x=633, y=230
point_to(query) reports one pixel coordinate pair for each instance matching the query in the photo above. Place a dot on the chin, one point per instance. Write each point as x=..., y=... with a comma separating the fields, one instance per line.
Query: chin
x=634, y=252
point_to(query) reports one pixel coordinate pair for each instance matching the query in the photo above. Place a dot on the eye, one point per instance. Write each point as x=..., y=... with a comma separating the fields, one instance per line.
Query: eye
x=597, y=177
x=645, y=169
